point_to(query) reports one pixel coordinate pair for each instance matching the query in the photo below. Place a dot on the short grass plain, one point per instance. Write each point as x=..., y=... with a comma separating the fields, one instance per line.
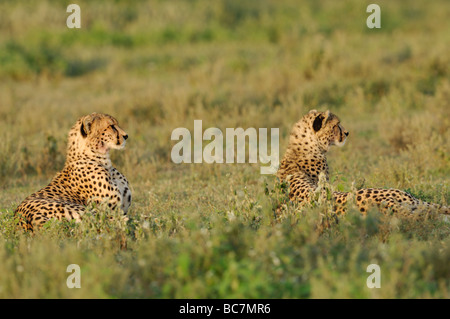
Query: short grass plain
x=211, y=230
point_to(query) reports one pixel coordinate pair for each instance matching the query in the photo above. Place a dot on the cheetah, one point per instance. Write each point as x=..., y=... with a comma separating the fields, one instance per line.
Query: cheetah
x=87, y=177
x=305, y=159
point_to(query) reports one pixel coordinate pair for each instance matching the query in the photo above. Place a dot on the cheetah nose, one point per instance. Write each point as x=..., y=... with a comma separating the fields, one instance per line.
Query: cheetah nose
x=125, y=136
x=346, y=133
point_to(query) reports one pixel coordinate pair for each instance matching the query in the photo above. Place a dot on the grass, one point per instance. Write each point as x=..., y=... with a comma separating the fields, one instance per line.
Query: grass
x=210, y=230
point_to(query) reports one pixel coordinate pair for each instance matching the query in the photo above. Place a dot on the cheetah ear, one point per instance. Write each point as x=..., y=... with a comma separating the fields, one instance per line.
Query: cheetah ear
x=317, y=124
x=86, y=124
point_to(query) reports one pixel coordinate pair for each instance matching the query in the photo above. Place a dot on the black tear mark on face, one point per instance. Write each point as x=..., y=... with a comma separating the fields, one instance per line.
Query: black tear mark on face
x=317, y=124
x=117, y=134
x=83, y=130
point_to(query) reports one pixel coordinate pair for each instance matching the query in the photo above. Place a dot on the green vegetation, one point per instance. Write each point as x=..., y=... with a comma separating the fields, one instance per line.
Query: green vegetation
x=214, y=230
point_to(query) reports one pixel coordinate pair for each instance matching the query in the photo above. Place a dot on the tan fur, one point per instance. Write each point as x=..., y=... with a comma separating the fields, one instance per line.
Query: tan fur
x=87, y=177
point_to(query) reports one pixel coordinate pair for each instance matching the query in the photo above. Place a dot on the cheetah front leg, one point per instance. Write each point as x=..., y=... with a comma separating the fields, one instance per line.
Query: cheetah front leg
x=124, y=189
x=301, y=187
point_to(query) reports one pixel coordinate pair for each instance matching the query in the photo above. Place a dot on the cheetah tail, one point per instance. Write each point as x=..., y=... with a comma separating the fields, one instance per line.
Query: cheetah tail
x=441, y=209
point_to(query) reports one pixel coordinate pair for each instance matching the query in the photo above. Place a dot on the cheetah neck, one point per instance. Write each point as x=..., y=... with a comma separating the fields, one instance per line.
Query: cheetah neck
x=303, y=155
x=75, y=156
x=79, y=152
x=311, y=164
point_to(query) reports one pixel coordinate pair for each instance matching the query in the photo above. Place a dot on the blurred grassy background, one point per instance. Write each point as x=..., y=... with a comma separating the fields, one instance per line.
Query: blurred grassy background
x=209, y=230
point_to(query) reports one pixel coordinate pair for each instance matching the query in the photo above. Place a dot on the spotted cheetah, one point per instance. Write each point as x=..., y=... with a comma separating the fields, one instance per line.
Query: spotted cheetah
x=87, y=177
x=305, y=159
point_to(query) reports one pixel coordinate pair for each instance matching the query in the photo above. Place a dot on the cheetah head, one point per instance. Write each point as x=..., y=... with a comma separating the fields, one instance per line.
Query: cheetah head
x=101, y=132
x=327, y=129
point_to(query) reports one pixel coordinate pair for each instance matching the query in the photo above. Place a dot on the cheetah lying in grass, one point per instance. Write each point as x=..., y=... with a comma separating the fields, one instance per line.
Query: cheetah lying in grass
x=87, y=177
x=305, y=159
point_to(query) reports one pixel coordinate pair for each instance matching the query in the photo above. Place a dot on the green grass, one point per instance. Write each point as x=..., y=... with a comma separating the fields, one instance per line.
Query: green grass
x=213, y=230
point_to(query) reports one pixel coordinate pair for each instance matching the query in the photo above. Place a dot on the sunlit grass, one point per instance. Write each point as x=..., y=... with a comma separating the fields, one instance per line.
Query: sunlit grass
x=225, y=231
